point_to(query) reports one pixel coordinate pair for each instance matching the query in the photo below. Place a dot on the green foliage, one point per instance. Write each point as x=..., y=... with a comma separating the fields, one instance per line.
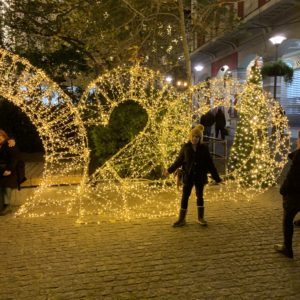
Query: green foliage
x=65, y=63
x=107, y=33
x=278, y=68
x=214, y=17
x=126, y=121
x=18, y=126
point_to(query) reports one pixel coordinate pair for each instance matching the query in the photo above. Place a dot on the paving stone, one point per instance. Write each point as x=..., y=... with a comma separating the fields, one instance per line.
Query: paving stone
x=233, y=258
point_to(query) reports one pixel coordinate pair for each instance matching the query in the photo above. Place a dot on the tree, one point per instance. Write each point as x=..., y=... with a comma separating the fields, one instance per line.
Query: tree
x=62, y=65
x=76, y=40
x=278, y=68
x=248, y=153
x=111, y=32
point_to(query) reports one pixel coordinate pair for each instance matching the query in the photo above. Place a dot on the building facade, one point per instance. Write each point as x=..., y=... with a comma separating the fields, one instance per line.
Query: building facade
x=236, y=51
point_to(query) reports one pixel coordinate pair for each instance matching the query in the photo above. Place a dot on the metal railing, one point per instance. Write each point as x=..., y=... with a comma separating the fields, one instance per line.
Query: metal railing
x=218, y=152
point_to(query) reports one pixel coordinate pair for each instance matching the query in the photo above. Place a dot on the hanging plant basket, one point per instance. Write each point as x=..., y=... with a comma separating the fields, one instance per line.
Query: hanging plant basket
x=278, y=68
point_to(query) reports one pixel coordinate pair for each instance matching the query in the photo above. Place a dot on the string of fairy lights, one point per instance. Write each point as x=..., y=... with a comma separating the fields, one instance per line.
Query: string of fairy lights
x=158, y=144
x=261, y=139
x=57, y=121
x=137, y=194
x=256, y=158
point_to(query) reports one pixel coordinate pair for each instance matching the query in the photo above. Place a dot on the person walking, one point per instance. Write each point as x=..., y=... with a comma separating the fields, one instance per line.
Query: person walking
x=196, y=163
x=290, y=190
x=220, y=123
x=207, y=120
x=10, y=165
x=297, y=222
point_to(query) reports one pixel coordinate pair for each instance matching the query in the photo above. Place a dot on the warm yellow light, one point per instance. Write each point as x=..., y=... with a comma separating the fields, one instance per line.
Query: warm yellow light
x=57, y=121
x=159, y=143
x=259, y=159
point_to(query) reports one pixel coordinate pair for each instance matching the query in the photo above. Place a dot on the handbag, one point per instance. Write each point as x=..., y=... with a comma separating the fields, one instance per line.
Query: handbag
x=179, y=177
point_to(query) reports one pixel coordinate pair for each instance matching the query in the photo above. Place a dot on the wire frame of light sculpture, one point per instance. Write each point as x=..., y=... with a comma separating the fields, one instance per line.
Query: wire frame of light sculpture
x=261, y=141
x=59, y=126
x=130, y=183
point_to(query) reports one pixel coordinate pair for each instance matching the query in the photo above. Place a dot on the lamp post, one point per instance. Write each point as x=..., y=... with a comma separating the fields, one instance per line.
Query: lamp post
x=198, y=68
x=169, y=79
x=276, y=41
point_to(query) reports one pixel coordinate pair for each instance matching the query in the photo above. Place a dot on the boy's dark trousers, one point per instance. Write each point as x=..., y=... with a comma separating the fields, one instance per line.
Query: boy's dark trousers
x=2, y=190
x=187, y=189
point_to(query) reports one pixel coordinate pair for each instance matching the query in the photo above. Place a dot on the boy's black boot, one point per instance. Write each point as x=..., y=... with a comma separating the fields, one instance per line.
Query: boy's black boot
x=181, y=220
x=283, y=250
x=201, y=219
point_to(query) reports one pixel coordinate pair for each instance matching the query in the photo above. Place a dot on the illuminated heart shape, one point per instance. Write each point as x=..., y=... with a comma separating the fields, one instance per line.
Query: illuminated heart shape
x=62, y=130
x=143, y=156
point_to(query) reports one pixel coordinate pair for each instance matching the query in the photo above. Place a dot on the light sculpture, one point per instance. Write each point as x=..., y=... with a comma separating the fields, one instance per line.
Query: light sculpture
x=129, y=184
x=136, y=194
x=57, y=121
x=260, y=148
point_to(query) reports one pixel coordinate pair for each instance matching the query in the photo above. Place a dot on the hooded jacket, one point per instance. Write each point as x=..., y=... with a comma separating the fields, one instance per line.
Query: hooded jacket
x=200, y=158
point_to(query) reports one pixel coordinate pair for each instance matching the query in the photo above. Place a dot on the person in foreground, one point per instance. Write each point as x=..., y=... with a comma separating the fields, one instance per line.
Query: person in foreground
x=9, y=175
x=290, y=190
x=196, y=162
x=297, y=222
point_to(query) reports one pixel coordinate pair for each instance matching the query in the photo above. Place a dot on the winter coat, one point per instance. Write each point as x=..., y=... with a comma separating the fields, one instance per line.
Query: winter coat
x=10, y=161
x=188, y=158
x=220, y=119
x=208, y=119
x=291, y=184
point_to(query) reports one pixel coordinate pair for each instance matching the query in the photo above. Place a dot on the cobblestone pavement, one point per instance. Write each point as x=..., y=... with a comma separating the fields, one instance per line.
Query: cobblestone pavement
x=233, y=258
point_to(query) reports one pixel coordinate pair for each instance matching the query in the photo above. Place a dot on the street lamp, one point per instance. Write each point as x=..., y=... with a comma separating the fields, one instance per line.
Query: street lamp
x=276, y=41
x=197, y=68
x=169, y=79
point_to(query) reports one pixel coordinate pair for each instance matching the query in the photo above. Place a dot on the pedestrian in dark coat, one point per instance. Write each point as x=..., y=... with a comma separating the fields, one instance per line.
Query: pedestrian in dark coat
x=220, y=123
x=196, y=162
x=290, y=190
x=207, y=120
x=9, y=176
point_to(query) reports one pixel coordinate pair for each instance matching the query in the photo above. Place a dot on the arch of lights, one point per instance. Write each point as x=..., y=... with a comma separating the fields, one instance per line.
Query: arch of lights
x=260, y=158
x=259, y=151
x=57, y=121
x=139, y=193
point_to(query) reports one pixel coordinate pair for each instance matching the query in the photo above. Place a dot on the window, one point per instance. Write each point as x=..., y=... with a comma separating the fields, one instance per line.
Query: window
x=290, y=99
